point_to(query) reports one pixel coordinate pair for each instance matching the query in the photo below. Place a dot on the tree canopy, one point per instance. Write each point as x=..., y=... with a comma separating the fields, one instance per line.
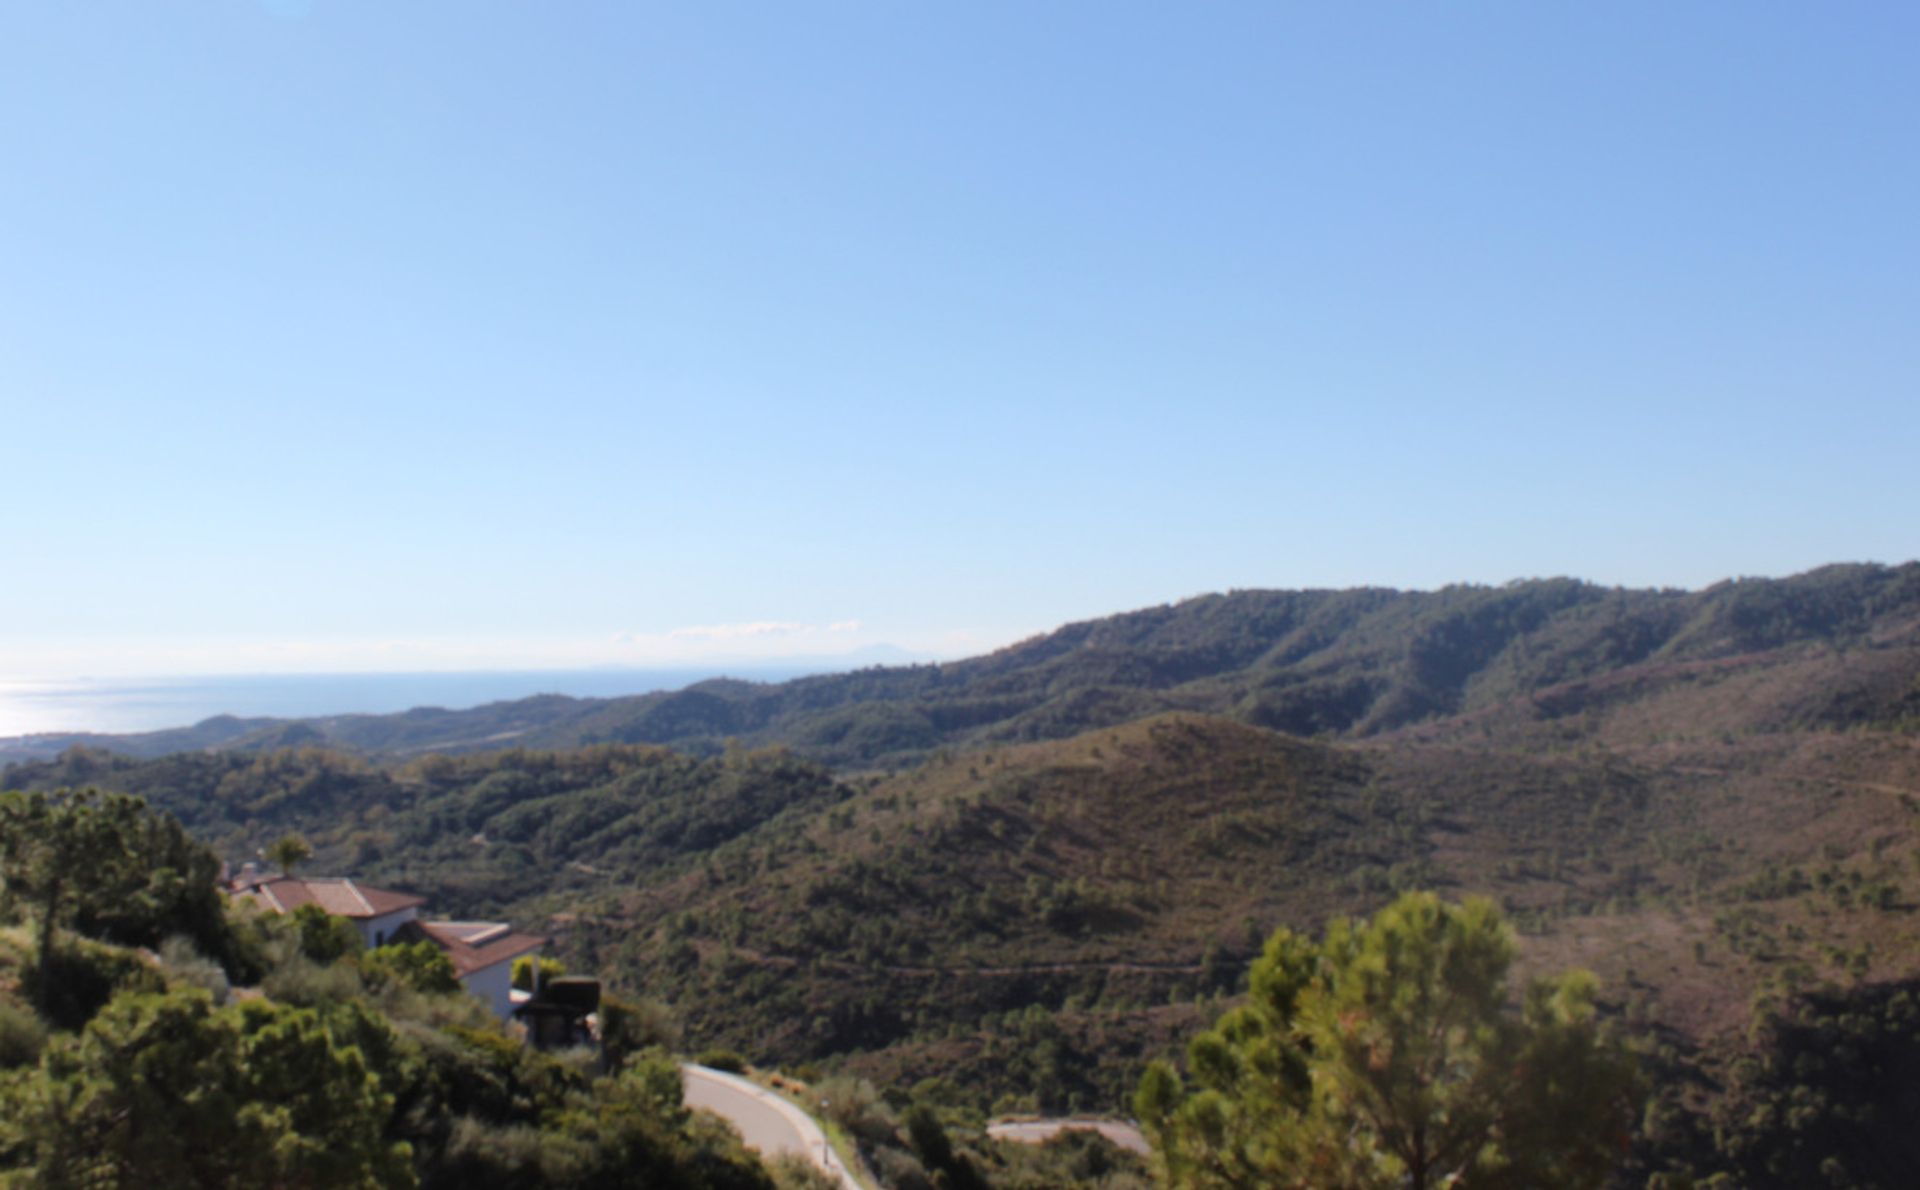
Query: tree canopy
x=166, y=1090
x=107, y=866
x=340, y=1068
x=1387, y=1054
x=289, y=851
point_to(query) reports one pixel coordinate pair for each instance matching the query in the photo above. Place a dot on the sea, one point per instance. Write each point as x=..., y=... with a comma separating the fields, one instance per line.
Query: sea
x=120, y=705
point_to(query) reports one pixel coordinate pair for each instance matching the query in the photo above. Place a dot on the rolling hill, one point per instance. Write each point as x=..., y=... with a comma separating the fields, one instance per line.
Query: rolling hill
x=1343, y=664
x=1026, y=874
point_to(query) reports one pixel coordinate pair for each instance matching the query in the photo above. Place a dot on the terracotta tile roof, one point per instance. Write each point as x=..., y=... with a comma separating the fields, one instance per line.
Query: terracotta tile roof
x=337, y=895
x=471, y=945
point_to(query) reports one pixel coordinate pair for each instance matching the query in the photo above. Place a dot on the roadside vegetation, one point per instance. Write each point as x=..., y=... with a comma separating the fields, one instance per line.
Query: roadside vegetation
x=1386, y=1055
x=1711, y=801
x=280, y=1054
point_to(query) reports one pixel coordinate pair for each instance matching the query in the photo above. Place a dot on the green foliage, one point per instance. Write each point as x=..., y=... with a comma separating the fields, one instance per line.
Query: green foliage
x=322, y=936
x=1034, y=912
x=628, y=1027
x=723, y=1059
x=793, y=1171
x=22, y=1036
x=1825, y=1096
x=628, y=1131
x=1355, y=662
x=934, y=1147
x=106, y=866
x=421, y=966
x=1009, y=922
x=929, y=1137
x=288, y=852
x=82, y=976
x=550, y=968
x=257, y=940
x=186, y=965
x=165, y=1090
x=352, y=1073
x=1073, y=1157
x=301, y=981
x=923, y=1141
x=1385, y=1055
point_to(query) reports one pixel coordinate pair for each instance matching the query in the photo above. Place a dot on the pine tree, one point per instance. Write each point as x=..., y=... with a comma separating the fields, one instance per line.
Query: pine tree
x=1387, y=1055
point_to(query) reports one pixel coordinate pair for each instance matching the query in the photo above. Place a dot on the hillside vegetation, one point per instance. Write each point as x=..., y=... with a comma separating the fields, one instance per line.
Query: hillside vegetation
x=1348, y=663
x=1036, y=871
x=258, y=1050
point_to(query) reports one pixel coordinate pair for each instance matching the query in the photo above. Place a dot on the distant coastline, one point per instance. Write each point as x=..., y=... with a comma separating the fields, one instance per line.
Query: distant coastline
x=124, y=705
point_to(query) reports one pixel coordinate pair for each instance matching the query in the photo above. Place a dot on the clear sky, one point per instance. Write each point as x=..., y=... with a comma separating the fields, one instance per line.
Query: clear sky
x=356, y=334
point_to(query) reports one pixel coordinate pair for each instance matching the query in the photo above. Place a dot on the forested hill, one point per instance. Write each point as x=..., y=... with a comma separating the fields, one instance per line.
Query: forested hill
x=1712, y=800
x=1350, y=663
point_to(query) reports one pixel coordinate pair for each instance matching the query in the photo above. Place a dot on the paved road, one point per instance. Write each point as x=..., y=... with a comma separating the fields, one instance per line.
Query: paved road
x=768, y=1123
x=1033, y=1132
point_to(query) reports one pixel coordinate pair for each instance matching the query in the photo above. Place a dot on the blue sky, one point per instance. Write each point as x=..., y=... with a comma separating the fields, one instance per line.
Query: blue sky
x=355, y=335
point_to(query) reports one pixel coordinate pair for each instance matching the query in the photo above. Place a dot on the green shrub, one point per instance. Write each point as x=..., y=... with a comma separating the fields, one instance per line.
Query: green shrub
x=721, y=1059
x=82, y=976
x=22, y=1037
x=482, y=1154
x=307, y=983
x=187, y=965
x=421, y=966
x=791, y=1171
x=629, y=1026
x=257, y=941
x=523, y=971
x=324, y=937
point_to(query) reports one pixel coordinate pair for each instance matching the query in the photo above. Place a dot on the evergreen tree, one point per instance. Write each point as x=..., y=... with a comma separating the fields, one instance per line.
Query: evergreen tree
x=107, y=866
x=1387, y=1055
x=165, y=1090
x=288, y=852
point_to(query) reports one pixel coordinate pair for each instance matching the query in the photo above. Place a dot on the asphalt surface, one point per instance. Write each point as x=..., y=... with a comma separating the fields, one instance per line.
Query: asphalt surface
x=1033, y=1132
x=769, y=1124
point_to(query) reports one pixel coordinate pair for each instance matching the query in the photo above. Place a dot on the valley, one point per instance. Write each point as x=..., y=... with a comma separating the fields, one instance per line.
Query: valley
x=1010, y=882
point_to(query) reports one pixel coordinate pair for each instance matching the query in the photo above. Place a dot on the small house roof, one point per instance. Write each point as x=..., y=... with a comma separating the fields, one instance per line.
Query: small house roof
x=338, y=895
x=471, y=945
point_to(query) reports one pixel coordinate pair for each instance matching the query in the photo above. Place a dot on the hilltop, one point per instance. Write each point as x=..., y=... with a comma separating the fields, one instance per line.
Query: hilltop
x=1346, y=664
x=1712, y=799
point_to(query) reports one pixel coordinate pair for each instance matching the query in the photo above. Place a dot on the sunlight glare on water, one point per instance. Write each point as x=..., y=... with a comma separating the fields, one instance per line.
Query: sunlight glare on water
x=27, y=708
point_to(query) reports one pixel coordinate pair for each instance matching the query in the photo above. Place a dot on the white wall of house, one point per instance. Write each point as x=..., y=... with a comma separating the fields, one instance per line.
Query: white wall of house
x=494, y=985
x=375, y=931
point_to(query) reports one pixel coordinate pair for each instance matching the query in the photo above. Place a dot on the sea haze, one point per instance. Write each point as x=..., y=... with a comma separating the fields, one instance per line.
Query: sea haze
x=150, y=704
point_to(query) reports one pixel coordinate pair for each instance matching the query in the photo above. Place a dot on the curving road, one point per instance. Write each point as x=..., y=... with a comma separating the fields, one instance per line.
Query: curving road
x=1034, y=1132
x=768, y=1124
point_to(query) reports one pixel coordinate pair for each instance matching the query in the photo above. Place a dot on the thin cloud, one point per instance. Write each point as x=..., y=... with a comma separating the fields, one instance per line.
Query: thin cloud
x=754, y=630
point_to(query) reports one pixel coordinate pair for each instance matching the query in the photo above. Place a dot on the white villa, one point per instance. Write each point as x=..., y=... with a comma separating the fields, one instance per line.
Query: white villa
x=482, y=952
x=376, y=911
